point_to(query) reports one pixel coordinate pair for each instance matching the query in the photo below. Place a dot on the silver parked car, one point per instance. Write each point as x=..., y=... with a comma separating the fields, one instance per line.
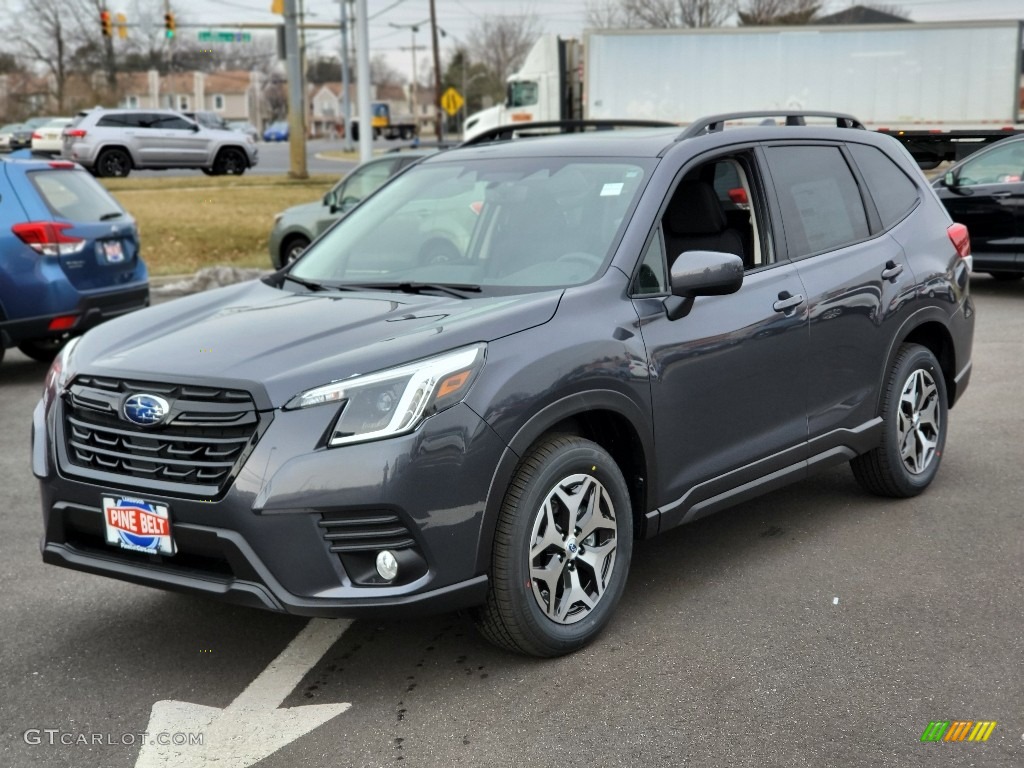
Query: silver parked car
x=296, y=227
x=112, y=142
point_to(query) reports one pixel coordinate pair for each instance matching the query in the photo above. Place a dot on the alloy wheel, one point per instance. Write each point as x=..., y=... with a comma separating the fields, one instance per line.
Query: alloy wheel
x=919, y=421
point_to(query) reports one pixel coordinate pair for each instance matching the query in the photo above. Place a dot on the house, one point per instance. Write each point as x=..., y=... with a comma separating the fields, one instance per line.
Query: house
x=860, y=14
x=232, y=94
x=326, y=109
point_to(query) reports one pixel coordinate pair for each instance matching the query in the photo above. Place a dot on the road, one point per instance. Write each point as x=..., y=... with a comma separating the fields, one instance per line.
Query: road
x=274, y=159
x=815, y=627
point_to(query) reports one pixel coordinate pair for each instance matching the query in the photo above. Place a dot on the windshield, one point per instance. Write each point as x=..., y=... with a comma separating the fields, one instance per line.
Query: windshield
x=522, y=93
x=504, y=224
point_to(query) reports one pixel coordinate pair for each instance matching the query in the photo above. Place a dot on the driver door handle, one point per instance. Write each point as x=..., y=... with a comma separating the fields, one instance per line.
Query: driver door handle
x=892, y=270
x=999, y=195
x=787, y=301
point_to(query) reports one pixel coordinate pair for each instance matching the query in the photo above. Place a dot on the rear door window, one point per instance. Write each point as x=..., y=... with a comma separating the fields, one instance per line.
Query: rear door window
x=895, y=195
x=819, y=198
x=75, y=195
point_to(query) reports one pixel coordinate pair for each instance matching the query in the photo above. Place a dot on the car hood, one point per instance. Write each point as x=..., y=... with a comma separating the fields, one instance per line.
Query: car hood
x=305, y=212
x=285, y=342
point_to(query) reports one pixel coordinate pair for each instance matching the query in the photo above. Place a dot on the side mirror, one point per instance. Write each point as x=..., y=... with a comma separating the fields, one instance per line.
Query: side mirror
x=196, y=127
x=701, y=273
x=329, y=200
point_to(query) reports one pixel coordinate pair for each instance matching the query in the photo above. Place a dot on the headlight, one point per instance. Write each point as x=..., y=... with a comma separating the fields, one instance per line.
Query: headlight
x=397, y=400
x=60, y=372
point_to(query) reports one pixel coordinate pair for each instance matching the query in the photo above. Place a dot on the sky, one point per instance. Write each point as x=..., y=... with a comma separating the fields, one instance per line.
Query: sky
x=458, y=17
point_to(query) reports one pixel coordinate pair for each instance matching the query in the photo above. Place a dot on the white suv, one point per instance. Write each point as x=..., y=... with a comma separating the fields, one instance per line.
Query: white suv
x=111, y=142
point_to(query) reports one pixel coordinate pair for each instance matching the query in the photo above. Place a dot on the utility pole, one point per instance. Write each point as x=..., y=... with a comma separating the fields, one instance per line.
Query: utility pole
x=438, y=120
x=413, y=28
x=346, y=99
x=296, y=97
x=363, y=80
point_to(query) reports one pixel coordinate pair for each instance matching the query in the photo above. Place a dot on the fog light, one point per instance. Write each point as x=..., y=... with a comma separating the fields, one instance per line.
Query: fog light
x=387, y=565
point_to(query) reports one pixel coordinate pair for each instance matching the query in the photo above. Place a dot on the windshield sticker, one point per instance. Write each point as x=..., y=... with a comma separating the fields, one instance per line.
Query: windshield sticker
x=611, y=189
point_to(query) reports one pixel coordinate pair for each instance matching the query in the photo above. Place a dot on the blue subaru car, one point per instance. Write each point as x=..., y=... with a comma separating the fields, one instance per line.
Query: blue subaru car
x=69, y=256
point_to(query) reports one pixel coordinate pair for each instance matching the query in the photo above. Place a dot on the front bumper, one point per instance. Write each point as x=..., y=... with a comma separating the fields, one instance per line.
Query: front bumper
x=298, y=529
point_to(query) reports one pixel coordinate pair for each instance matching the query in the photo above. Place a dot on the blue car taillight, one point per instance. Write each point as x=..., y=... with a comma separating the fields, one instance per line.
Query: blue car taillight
x=48, y=238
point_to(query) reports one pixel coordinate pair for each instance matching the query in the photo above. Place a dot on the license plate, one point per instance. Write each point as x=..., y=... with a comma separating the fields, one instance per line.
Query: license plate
x=137, y=525
x=113, y=252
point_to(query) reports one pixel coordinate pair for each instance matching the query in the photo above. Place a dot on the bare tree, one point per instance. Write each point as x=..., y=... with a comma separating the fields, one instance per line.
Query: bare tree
x=679, y=13
x=43, y=30
x=610, y=14
x=382, y=73
x=501, y=43
x=765, y=12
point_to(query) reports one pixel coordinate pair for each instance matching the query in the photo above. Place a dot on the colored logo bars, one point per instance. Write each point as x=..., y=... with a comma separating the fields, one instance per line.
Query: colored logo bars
x=959, y=730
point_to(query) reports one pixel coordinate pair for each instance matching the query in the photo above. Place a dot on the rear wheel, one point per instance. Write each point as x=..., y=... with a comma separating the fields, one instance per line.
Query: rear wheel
x=914, y=429
x=561, y=550
x=230, y=162
x=115, y=163
x=43, y=350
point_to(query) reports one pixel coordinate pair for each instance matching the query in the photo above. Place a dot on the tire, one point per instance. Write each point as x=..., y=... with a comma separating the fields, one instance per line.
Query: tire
x=230, y=162
x=2, y=353
x=563, y=612
x=292, y=248
x=113, y=163
x=914, y=409
x=42, y=350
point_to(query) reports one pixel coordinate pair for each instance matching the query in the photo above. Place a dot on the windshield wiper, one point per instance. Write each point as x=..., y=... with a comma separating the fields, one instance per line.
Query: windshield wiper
x=312, y=285
x=458, y=290
x=111, y=215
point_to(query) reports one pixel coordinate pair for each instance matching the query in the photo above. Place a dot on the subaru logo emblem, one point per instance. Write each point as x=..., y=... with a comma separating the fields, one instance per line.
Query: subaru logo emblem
x=572, y=548
x=145, y=410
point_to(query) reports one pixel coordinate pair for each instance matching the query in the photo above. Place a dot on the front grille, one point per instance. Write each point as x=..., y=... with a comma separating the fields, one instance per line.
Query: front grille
x=351, y=532
x=202, y=441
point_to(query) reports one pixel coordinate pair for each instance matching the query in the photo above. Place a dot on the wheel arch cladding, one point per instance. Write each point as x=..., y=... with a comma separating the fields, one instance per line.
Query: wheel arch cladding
x=936, y=337
x=611, y=422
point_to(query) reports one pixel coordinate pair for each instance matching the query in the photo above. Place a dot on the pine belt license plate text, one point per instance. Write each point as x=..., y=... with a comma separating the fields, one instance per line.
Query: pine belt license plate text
x=141, y=526
x=113, y=252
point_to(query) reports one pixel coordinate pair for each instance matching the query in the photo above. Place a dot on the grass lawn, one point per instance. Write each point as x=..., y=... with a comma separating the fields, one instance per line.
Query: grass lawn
x=188, y=222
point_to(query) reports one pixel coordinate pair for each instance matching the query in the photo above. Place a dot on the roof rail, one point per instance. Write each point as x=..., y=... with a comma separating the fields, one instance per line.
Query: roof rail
x=715, y=123
x=526, y=130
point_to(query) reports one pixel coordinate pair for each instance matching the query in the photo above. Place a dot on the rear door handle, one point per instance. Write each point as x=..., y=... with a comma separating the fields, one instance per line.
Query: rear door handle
x=998, y=195
x=892, y=270
x=787, y=301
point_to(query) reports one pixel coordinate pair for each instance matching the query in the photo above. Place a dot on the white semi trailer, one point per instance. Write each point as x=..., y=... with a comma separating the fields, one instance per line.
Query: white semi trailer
x=944, y=89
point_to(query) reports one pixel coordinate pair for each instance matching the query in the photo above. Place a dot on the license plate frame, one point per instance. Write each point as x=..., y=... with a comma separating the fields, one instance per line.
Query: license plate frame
x=138, y=525
x=113, y=251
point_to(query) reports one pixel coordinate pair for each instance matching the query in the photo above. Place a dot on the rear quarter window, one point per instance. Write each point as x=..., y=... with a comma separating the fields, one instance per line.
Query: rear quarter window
x=74, y=195
x=821, y=204
x=894, y=193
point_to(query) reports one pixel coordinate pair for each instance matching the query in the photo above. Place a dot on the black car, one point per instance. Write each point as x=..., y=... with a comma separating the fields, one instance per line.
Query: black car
x=480, y=387
x=985, y=192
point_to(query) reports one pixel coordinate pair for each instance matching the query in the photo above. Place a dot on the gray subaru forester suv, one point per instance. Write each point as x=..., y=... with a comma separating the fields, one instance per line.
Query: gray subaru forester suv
x=113, y=142
x=510, y=362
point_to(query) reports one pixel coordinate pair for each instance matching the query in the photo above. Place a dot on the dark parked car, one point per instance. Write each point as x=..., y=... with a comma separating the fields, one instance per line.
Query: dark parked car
x=70, y=256
x=514, y=359
x=986, y=193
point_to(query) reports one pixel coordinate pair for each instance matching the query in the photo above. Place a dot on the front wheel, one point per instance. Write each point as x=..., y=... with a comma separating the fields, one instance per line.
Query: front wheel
x=562, y=549
x=230, y=162
x=914, y=411
x=113, y=163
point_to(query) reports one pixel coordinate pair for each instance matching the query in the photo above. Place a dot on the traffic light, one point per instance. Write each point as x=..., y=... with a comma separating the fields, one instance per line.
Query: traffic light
x=169, y=25
x=122, y=26
x=105, y=23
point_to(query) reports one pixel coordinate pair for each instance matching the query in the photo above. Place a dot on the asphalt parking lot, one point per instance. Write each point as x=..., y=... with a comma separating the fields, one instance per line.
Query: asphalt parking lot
x=816, y=626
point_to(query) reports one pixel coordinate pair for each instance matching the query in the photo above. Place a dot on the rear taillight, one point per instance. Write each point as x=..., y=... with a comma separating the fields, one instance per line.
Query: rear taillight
x=76, y=133
x=961, y=240
x=37, y=135
x=63, y=323
x=48, y=238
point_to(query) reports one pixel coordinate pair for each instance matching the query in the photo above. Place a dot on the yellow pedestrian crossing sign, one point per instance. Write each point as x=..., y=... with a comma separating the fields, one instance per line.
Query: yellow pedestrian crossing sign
x=451, y=101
